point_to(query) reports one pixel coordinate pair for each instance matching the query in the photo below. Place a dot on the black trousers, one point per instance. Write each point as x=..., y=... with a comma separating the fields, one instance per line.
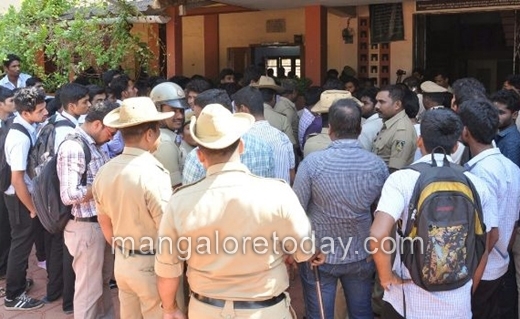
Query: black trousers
x=59, y=269
x=39, y=239
x=5, y=236
x=389, y=312
x=508, y=294
x=485, y=301
x=69, y=278
x=22, y=239
x=54, y=254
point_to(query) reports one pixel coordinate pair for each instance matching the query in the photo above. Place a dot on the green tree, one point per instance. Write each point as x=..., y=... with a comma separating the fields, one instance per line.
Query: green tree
x=73, y=37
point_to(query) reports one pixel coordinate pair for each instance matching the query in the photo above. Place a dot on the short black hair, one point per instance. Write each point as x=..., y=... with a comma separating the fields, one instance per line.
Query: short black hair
x=94, y=90
x=289, y=85
x=480, y=117
x=332, y=74
x=98, y=111
x=509, y=98
x=133, y=133
x=251, y=73
x=352, y=79
x=467, y=89
x=345, y=118
x=395, y=91
x=412, y=82
x=5, y=93
x=10, y=58
x=267, y=94
x=514, y=80
x=26, y=99
x=32, y=81
x=109, y=75
x=411, y=103
x=119, y=85
x=312, y=95
x=440, y=128
x=72, y=93
x=225, y=72
x=213, y=96
x=198, y=85
x=333, y=84
x=250, y=97
x=371, y=93
x=220, y=152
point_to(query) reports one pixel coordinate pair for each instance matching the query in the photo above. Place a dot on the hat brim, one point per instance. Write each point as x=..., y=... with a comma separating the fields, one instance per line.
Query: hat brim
x=320, y=108
x=178, y=104
x=240, y=124
x=277, y=88
x=113, y=119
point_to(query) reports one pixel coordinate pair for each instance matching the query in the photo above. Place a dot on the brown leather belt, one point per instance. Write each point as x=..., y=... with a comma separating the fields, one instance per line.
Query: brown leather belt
x=240, y=304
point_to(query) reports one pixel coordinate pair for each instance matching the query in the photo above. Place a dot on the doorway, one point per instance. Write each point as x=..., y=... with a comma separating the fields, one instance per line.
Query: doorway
x=471, y=44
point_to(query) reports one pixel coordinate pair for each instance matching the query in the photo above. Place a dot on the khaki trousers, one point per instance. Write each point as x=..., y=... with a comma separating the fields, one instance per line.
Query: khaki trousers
x=93, y=264
x=138, y=295
x=200, y=310
x=340, y=305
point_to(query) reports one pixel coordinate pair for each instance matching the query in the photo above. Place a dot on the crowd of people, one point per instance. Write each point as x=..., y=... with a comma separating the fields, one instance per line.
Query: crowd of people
x=161, y=174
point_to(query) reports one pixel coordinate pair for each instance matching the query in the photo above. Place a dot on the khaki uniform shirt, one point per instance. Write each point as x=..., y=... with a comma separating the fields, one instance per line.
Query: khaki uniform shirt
x=397, y=141
x=169, y=154
x=279, y=122
x=287, y=108
x=133, y=190
x=232, y=203
x=317, y=142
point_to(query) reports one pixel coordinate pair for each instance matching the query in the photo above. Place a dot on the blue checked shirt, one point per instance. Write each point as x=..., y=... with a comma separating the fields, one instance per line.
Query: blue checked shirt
x=336, y=187
x=257, y=157
x=508, y=141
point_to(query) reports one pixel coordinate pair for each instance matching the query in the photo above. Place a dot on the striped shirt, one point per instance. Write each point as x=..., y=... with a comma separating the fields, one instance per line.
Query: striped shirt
x=502, y=177
x=336, y=187
x=422, y=304
x=281, y=148
x=71, y=166
x=257, y=157
x=305, y=121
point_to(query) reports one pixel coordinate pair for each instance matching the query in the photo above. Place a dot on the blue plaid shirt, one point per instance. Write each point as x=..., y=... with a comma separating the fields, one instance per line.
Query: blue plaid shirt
x=257, y=157
x=336, y=187
x=508, y=141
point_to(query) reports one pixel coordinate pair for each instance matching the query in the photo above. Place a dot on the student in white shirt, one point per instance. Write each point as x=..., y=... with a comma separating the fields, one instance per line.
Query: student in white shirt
x=442, y=128
x=30, y=104
x=480, y=119
x=14, y=78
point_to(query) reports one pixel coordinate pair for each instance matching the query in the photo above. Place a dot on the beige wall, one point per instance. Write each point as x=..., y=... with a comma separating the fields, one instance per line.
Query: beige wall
x=243, y=29
x=402, y=51
x=193, y=45
x=339, y=53
x=4, y=4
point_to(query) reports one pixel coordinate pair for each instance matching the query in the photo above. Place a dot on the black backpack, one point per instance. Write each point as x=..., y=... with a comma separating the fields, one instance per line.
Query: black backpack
x=43, y=149
x=445, y=235
x=5, y=169
x=51, y=211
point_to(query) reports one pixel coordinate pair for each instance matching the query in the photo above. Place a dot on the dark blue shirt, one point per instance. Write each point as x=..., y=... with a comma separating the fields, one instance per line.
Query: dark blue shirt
x=508, y=141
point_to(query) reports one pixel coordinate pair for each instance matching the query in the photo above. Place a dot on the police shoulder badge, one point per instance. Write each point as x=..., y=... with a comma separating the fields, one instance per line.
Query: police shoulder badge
x=399, y=145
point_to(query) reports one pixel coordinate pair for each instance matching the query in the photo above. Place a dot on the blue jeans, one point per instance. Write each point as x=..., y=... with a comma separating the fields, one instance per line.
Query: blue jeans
x=356, y=279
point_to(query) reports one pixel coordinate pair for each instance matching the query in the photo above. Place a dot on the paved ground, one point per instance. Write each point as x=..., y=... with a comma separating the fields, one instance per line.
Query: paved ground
x=54, y=311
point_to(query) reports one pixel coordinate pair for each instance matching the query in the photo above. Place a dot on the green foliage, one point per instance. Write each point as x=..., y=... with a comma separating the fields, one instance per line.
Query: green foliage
x=72, y=36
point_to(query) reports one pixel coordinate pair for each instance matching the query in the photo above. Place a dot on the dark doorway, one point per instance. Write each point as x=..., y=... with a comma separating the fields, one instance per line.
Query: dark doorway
x=476, y=44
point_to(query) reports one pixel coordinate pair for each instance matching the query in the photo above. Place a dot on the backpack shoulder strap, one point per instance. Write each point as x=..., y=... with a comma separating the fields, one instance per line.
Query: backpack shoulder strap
x=20, y=128
x=86, y=150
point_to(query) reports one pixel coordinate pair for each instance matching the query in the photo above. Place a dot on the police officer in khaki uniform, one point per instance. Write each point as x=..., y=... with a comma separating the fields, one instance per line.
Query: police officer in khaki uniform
x=268, y=88
x=316, y=142
x=232, y=228
x=396, y=142
x=131, y=192
x=169, y=97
